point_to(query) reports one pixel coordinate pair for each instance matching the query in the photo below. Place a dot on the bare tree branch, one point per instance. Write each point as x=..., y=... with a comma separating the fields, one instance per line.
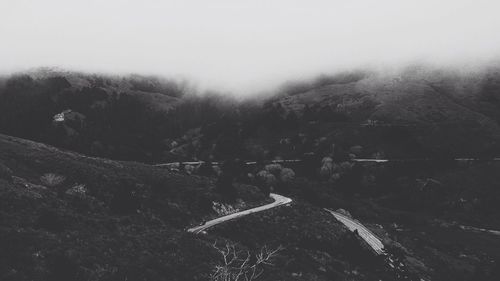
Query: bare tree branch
x=241, y=265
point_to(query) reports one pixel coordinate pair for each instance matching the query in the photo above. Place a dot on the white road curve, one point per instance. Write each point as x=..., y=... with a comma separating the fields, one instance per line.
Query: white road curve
x=477, y=229
x=194, y=163
x=373, y=160
x=361, y=160
x=370, y=160
x=366, y=234
x=278, y=201
x=217, y=163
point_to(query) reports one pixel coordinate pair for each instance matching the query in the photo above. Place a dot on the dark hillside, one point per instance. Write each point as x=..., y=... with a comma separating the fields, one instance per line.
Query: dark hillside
x=126, y=118
x=65, y=216
x=419, y=112
x=442, y=109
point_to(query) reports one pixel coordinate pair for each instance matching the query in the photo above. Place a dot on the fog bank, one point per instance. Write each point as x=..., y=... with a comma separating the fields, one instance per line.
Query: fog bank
x=245, y=46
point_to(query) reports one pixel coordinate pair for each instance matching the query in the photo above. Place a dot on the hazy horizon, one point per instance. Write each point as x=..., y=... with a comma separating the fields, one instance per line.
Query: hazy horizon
x=245, y=46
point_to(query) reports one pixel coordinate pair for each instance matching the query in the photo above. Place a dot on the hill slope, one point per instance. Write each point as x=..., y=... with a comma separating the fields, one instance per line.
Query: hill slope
x=129, y=117
x=419, y=112
x=442, y=109
x=65, y=216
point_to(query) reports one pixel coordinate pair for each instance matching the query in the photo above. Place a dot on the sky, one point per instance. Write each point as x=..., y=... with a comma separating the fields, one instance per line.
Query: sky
x=244, y=46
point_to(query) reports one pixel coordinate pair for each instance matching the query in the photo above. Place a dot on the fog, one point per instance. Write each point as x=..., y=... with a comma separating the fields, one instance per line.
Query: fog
x=245, y=46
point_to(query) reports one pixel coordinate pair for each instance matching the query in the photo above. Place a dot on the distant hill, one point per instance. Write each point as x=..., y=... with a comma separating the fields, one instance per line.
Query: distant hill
x=458, y=110
x=160, y=93
x=124, y=117
x=417, y=112
x=418, y=95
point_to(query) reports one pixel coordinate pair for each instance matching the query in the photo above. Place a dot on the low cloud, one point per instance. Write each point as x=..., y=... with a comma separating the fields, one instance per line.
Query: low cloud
x=245, y=46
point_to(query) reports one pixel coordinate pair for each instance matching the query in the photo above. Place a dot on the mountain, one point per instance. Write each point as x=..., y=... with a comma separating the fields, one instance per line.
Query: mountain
x=417, y=112
x=441, y=108
x=129, y=117
x=417, y=96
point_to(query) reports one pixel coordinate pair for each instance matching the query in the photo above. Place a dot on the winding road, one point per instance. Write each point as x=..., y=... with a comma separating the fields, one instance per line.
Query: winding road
x=359, y=160
x=478, y=229
x=278, y=201
x=194, y=163
x=363, y=232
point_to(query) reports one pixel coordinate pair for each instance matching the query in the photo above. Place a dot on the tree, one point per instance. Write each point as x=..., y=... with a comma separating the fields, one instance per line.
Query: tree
x=241, y=265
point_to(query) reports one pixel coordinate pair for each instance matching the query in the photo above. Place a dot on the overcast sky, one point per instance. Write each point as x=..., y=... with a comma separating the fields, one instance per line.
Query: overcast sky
x=244, y=45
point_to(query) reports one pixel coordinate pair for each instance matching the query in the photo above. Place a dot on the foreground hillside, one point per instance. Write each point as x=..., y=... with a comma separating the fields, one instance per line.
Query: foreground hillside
x=64, y=216
x=125, y=218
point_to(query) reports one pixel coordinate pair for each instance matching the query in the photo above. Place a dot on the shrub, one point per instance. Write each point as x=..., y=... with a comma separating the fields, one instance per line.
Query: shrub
x=52, y=180
x=241, y=265
x=78, y=190
x=266, y=178
x=287, y=175
x=346, y=166
x=274, y=169
x=326, y=170
x=217, y=170
x=326, y=160
x=223, y=209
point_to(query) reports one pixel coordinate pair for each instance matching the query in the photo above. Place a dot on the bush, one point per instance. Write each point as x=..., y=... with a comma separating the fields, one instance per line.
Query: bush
x=78, y=190
x=223, y=209
x=326, y=170
x=287, y=175
x=52, y=180
x=274, y=169
x=266, y=178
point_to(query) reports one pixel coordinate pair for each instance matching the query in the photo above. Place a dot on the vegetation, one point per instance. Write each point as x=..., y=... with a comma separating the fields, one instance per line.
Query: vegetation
x=240, y=266
x=422, y=114
x=52, y=180
x=66, y=216
x=107, y=221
